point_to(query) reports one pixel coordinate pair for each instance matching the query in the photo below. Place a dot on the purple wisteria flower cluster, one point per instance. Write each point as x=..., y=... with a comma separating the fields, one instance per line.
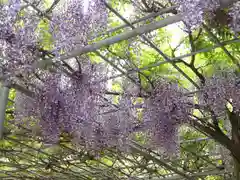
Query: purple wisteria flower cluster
x=111, y=129
x=235, y=15
x=81, y=109
x=76, y=103
x=17, y=39
x=220, y=90
x=21, y=34
x=195, y=11
x=71, y=28
x=61, y=106
x=165, y=110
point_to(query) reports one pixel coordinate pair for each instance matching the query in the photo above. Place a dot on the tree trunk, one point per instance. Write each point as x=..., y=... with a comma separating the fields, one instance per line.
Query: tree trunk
x=236, y=171
x=4, y=100
x=227, y=3
x=235, y=121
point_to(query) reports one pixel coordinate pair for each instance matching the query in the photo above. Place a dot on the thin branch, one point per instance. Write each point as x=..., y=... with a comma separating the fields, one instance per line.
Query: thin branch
x=219, y=137
x=176, y=59
x=152, y=45
x=160, y=162
x=152, y=15
x=192, y=48
x=112, y=40
x=54, y=4
x=194, y=69
x=115, y=66
x=217, y=41
x=136, y=69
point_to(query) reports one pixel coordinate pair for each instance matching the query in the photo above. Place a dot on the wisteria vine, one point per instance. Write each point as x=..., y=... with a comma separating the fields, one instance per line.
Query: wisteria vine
x=195, y=12
x=75, y=103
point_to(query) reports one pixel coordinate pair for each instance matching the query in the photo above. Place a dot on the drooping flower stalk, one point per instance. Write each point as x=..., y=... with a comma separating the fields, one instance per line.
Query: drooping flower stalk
x=75, y=23
x=74, y=105
x=219, y=91
x=165, y=110
x=17, y=39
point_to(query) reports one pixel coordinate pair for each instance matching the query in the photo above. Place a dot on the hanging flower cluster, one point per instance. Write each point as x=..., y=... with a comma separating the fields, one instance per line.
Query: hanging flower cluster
x=79, y=108
x=76, y=104
x=195, y=10
x=78, y=19
x=234, y=13
x=165, y=110
x=220, y=90
x=20, y=37
x=62, y=104
x=17, y=39
x=111, y=129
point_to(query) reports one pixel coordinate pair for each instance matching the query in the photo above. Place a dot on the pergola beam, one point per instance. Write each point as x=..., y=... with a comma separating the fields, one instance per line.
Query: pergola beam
x=152, y=15
x=175, y=59
x=115, y=39
x=152, y=45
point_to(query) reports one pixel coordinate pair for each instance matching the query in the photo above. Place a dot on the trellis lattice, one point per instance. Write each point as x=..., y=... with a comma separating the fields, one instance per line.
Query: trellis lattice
x=31, y=160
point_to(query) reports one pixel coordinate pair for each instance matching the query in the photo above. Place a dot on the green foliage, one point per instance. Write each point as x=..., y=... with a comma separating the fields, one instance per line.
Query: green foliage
x=44, y=35
x=20, y=148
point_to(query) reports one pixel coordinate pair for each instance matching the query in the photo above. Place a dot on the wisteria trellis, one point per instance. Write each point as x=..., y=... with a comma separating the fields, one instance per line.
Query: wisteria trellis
x=75, y=108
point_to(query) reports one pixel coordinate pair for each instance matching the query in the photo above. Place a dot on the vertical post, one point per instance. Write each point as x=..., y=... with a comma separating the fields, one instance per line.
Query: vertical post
x=236, y=171
x=235, y=122
x=3, y=105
